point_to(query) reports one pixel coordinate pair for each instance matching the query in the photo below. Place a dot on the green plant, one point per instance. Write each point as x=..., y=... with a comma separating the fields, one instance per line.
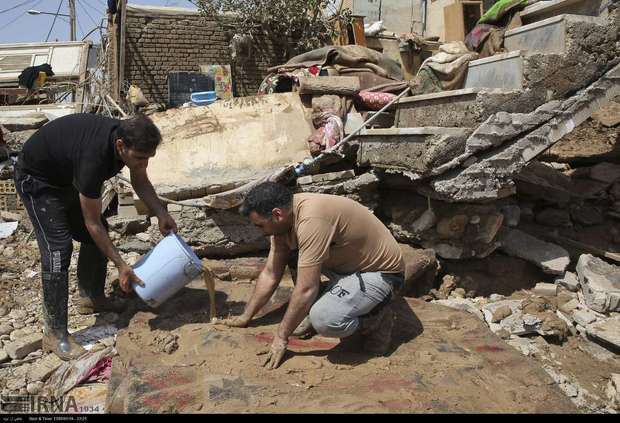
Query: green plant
x=303, y=24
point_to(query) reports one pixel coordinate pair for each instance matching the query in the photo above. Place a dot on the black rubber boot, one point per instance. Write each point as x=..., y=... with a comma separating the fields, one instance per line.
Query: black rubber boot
x=91, y=273
x=56, y=338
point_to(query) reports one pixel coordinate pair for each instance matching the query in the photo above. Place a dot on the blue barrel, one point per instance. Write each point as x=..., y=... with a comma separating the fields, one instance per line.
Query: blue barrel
x=166, y=269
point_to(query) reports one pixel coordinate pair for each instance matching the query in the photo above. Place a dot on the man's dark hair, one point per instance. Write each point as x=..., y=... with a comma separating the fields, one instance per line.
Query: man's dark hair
x=139, y=133
x=265, y=197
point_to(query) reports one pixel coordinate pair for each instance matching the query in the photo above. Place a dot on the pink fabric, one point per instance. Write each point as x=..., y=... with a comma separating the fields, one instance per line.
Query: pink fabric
x=100, y=373
x=373, y=100
x=329, y=132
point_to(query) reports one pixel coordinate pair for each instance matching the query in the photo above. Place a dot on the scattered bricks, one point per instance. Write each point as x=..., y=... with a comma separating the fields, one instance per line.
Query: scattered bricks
x=43, y=369
x=583, y=317
x=500, y=314
x=22, y=347
x=546, y=289
x=569, y=281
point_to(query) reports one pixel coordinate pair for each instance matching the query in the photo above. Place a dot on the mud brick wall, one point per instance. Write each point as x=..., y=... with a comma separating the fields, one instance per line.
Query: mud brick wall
x=158, y=44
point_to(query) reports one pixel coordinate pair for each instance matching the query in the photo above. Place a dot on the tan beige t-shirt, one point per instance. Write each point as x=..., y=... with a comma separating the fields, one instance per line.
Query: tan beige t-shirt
x=341, y=235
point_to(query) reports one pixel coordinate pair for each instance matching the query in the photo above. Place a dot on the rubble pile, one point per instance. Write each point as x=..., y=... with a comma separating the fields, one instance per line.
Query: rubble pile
x=504, y=195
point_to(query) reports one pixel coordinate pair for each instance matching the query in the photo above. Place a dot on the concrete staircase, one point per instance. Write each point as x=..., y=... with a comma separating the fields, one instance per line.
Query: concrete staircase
x=416, y=151
x=548, y=58
x=550, y=8
x=562, y=48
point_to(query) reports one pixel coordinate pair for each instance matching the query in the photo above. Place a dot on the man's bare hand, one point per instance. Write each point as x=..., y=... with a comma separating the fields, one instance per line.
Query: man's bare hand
x=166, y=224
x=234, y=322
x=126, y=277
x=276, y=353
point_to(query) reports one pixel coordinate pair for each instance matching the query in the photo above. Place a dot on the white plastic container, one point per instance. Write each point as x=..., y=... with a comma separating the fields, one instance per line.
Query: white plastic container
x=166, y=269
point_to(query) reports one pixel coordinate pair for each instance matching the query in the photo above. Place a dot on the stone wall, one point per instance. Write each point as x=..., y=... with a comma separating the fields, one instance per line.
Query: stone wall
x=158, y=42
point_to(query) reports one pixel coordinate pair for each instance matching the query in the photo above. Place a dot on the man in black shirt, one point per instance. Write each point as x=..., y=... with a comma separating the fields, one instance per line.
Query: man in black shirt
x=59, y=177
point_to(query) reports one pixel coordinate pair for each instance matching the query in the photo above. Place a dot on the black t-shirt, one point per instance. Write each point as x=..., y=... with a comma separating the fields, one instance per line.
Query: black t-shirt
x=76, y=150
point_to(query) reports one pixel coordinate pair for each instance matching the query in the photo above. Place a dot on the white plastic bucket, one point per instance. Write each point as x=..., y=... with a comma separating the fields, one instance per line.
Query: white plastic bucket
x=166, y=269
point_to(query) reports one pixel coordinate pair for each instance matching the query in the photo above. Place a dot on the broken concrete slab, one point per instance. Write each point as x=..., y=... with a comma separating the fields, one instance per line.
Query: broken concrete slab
x=466, y=108
x=415, y=150
x=24, y=346
x=551, y=258
x=42, y=370
x=600, y=283
x=129, y=225
x=583, y=317
x=490, y=310
x=569, y=281
x=607, y=330
x=491, y=176
x=228, y=142
x=24, y=122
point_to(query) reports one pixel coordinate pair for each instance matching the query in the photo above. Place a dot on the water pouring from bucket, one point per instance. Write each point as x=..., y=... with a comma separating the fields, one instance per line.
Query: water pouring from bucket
x=167, y=268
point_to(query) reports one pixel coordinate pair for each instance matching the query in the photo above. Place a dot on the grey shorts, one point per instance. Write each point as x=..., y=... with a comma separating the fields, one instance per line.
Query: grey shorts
x=347, y=297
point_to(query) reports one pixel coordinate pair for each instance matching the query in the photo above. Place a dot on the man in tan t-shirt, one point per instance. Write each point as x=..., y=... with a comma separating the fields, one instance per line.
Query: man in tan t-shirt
x=334, y=236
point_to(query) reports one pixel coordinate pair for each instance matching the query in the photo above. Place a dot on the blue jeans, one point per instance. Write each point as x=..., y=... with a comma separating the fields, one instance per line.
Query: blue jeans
x=347, y=297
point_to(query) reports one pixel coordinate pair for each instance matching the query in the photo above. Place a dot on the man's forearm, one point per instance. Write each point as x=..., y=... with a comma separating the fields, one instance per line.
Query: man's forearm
x=265, y=285
x=298, y=308
x=103, y=241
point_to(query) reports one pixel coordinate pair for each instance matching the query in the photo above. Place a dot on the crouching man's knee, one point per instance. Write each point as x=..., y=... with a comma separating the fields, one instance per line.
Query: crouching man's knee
x=332, y=325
